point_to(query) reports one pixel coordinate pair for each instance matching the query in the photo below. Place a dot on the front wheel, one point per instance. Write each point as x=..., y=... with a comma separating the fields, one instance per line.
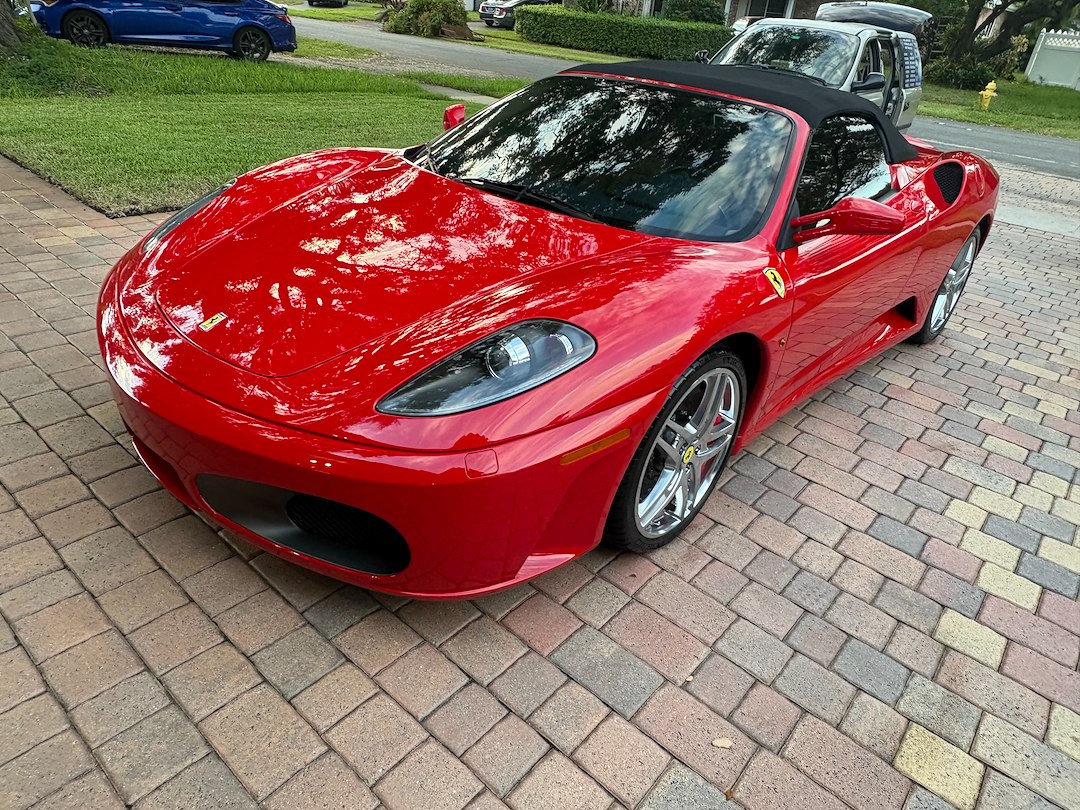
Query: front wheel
x=489, y=23
x=948, y=294
x=680, y=459
x=85, y=28
x=252, y=44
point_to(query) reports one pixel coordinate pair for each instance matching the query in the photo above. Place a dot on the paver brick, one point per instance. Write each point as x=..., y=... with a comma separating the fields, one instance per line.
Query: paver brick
x=1034, y=765
x=38, y=594
x=811, y=592
x=1061, y=611
x=211, y=679
x=859, y=619
x=528, y=683
x=871, y=671
x=151, y=752
x=883, y=558
x=86, y=669
x=622, y=759
x=185, y=546
x=558, y=782
x=686, y=606
x=940, y=767
x=1064, y=731
x=260, y=620
x=858, y=580
x=759, y=653
x=437, y=621
x=952, y=593
x=971, y=638
x=339, y=611
x=335, y=695
x=686, y=728
x=817, y=690
x=1048, y=678
x=720, y=581
x=223, y=585
x=613, y=674
x=468, y=716
x=852, y=773
x=719, y=684
x=910, y=607
x=682, y=789
x=670, y=650
x=816, y=639
x=262, y=739
x=326, y=782
x=505, y=754
x=296, y=661
x=420, y=680
x=874, y=725
x=568, y=716
x=25, y=562
x=1018, y=590
x=915, y=650
x=43, y=769
x=1032, y=631
x=766, y=716
x=91, y=789
x=771, y=783
x=107, y=559
x=1049, y=575
x=483, y=649
x=541, y=623
x=1001, y=791
x=938, y=710
x=174, y=638
x=28, y=724
x=119, y=708
x=597, y=602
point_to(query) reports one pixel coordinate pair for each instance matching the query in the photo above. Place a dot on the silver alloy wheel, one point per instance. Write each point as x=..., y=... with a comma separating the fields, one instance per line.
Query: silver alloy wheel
x=688, y=453
x=949, y=292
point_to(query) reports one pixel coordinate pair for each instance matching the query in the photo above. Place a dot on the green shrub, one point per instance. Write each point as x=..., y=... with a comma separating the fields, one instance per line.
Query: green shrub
x=621, y=35
x=966, y=73
x=425, y=18
x=707, y=11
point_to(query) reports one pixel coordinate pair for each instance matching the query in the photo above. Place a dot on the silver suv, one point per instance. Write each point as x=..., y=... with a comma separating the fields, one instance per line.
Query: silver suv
x=879, y=63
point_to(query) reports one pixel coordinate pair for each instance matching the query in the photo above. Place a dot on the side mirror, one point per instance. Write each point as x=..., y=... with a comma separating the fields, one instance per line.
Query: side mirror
x=702, y=56
x=856, y=216
x=871, y=84
x=453, y=116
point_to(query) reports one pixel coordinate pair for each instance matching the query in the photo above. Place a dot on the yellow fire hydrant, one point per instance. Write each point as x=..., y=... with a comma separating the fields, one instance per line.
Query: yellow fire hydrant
x=987, y=94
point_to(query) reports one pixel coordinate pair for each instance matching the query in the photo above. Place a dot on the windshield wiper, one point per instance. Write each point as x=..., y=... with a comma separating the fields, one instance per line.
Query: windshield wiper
x=523, y=193
x=422, y=152
x=785, y=70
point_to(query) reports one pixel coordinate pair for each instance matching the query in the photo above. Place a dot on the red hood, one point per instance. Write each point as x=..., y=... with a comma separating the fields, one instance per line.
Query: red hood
x=354, y=259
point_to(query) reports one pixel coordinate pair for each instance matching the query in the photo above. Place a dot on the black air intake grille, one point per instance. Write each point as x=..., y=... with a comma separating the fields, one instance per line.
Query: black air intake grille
x=332, y=520
x=950, y=179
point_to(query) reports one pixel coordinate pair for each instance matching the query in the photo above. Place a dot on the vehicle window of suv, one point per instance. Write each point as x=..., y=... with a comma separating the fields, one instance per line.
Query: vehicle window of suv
x=887, y=62
x=846, y=158
x=825, y=55
x=866, y=66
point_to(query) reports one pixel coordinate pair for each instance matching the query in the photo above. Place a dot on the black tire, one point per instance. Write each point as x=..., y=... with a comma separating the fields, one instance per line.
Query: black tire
x=623, y=529
x=935, y=324
x=85, y=28
x=252, y=44
x=489, y=23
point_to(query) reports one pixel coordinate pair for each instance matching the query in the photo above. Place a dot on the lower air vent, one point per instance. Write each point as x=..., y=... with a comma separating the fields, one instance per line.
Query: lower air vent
x=327, y=530
x=950, y=179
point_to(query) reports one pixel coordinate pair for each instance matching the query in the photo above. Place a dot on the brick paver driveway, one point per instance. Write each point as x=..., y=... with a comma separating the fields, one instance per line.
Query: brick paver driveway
x=878, y=610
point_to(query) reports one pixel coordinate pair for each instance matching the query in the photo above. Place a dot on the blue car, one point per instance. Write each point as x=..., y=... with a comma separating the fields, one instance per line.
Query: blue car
x=248, y=29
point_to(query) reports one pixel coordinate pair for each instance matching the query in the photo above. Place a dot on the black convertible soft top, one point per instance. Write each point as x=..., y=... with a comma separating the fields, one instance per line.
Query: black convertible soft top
x=809, y=100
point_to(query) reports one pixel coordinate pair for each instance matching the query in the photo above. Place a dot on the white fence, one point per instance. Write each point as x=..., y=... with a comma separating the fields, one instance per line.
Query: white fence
x=1056, y=59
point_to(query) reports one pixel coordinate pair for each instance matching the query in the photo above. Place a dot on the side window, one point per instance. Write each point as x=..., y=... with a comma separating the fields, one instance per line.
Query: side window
x=846, y=158
x=866, y=65
x=887, y=63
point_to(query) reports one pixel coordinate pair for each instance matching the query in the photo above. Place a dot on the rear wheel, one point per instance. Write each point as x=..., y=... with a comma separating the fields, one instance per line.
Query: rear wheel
x=679, y=462
x=251, y=44
x=948, y=294
x=85, y=28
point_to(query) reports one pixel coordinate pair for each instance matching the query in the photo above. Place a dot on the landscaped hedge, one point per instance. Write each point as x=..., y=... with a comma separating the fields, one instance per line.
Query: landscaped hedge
x=622, y=35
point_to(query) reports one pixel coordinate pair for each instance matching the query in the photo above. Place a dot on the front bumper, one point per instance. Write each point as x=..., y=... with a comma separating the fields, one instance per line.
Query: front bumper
x=474, y=522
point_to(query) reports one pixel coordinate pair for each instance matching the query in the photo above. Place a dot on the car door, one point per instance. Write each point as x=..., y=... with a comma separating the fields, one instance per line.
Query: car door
x=869, y=62
x=848, y=289
x=210, y=21
x=906, y=47
x=144, y=20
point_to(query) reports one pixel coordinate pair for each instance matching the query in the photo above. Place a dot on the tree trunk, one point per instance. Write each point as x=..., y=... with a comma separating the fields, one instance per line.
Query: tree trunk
x=10, y=36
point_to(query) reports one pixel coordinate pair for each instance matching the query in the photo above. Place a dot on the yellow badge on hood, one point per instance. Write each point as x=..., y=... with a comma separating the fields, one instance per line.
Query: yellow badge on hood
x=213, y=321
x=774, y=277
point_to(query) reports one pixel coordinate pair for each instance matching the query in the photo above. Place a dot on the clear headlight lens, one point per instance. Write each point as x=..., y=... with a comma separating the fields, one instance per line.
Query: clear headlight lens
x=498, y=367
x=173, y=222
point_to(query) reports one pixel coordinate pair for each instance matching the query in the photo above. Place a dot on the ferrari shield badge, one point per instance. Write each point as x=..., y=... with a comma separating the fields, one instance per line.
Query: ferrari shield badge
x=214, y=320
x=774, y=277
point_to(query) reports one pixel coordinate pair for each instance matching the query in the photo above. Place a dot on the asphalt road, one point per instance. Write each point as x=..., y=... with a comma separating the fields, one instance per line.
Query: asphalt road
x=1054, y=156
x=455, y=54
x=1040, y=153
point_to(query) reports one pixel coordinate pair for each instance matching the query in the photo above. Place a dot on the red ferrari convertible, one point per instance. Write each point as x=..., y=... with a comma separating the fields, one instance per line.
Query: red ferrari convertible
x=443, y=370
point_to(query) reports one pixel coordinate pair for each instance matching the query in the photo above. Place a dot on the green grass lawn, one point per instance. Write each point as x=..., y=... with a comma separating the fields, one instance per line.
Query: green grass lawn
x=321, y=48
x=469, y=84
x=511, y=41
x=133, y=131
x=1027, y=107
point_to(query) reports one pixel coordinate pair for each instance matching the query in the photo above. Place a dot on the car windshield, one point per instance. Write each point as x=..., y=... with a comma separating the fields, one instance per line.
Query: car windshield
x=640, y=157
x=824, y=55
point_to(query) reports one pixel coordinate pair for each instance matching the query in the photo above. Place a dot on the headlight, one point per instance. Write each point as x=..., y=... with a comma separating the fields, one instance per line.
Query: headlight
x=173, y=222
x=498, y=367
